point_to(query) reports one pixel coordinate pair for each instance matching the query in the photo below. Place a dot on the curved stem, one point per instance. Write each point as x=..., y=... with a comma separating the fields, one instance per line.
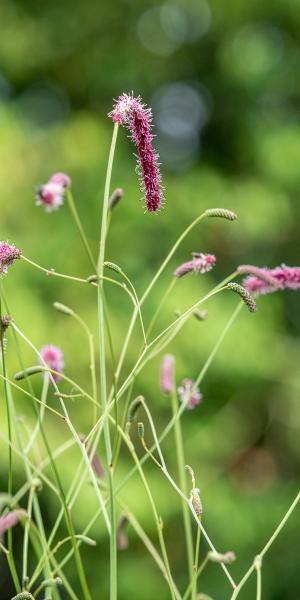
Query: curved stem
x=75, y=215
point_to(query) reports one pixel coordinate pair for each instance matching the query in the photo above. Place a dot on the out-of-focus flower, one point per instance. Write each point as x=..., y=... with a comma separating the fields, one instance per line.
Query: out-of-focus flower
x=133, y=114
x=201, y=263
x=167, y=382
x=96, y=462
x=189, y=394
x=285, y=277
x=115, y=198
x=8, y=254
x=51, y=194
x=10, y=520
x=54, y=359
x=62, y=179
x=122, y=537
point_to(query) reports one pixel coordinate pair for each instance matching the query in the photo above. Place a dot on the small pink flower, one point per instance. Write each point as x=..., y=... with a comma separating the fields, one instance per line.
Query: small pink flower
x=62, y=179
x=54, y=359
x=8, y=254
x=284, y=277
x=167, y=382
x=51, y=194
x=131, y=113
x=201, y=263
x=10, y=520
x=189, y=394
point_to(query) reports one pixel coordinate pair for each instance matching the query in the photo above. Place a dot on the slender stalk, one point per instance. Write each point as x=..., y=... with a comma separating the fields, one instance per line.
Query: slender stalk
x=10, y=462
x=101, y=319
x=199, y=571
x=182, y=482
x=26, y=537
x=77, y=220
x=194, y=586
x=41, y=414
x=257, y=563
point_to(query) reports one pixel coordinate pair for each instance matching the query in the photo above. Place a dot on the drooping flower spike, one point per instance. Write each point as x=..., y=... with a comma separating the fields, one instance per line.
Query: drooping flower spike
x=8, y=254
x=284, y=276
x=54, y=359
x=51, y=194
x=201, y=263
x=133, y=114
x=189, y=394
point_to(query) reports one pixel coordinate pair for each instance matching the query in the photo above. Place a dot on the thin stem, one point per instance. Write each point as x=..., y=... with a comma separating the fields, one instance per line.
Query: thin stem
x=199, y=571
x=194, y=590
x=26, y=536
x=41, y=414
x=10, y=464
x=258, y=578
x=182, y=481
x=75, y=215
x=101, y=319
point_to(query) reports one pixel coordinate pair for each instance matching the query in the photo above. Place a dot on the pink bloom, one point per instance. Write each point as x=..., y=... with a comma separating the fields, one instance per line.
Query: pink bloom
x=10, y=520
x=189, y=394
x=285, y=278
x=131, y=113
x=54, y=359
x=8, y=254
x=50, y=195
x=201, y=263
x=167, y=383
x=62, y=179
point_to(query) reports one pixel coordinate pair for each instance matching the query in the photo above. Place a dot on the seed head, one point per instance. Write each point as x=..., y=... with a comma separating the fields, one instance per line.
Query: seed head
x=244, y=294
x=221, y=212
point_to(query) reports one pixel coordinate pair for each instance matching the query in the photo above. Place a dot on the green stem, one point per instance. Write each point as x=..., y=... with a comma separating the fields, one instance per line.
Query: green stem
x=100, y=267
x=199, y=571
x=182, y=481
x=26, y=537
x=73, y=209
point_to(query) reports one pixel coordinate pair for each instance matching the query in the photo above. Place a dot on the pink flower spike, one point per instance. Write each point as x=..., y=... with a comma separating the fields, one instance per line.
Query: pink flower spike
x=201, y=263
x=54, y=359
x=167, y=382
x=8, y=254
x=62, y=179
x=189, y=395
x=284, y=276
x=50, y=195
x=132, y=114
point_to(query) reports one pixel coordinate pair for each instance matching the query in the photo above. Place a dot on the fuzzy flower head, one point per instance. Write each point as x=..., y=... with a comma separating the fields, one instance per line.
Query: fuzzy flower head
x=8, y=254
x=133, y=114
x=281, y=278
x=54, y=359
x=189, y=394
x=51, y=194
x=201, y=263
x=167, y=382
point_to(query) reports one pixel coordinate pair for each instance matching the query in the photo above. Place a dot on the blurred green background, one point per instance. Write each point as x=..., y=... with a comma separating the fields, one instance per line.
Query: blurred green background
x=223, y=81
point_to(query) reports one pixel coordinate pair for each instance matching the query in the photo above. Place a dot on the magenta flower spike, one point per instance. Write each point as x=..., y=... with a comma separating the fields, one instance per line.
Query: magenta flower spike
x=167, y=382
x=133, y=114
x=189, y=394
x=10, y=520
x=284, y=276
x=201, y=263
x=54, y=359
x=8, y=254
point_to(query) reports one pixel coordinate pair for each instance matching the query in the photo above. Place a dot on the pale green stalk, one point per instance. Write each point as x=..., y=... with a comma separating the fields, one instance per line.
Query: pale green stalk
x=103, y=389
x=199, y=571
x=25, y=540
x=182, y=482
x=266, y=547
x=74, y=213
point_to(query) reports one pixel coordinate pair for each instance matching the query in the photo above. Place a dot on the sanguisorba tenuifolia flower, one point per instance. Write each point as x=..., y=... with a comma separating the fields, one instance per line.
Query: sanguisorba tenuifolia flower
x=51, y=194
x=133, y=114
x=54, y=359
x=201, y=263
x=8, y=254
x=189, y=394
x=167, y=382
x=281, y=278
